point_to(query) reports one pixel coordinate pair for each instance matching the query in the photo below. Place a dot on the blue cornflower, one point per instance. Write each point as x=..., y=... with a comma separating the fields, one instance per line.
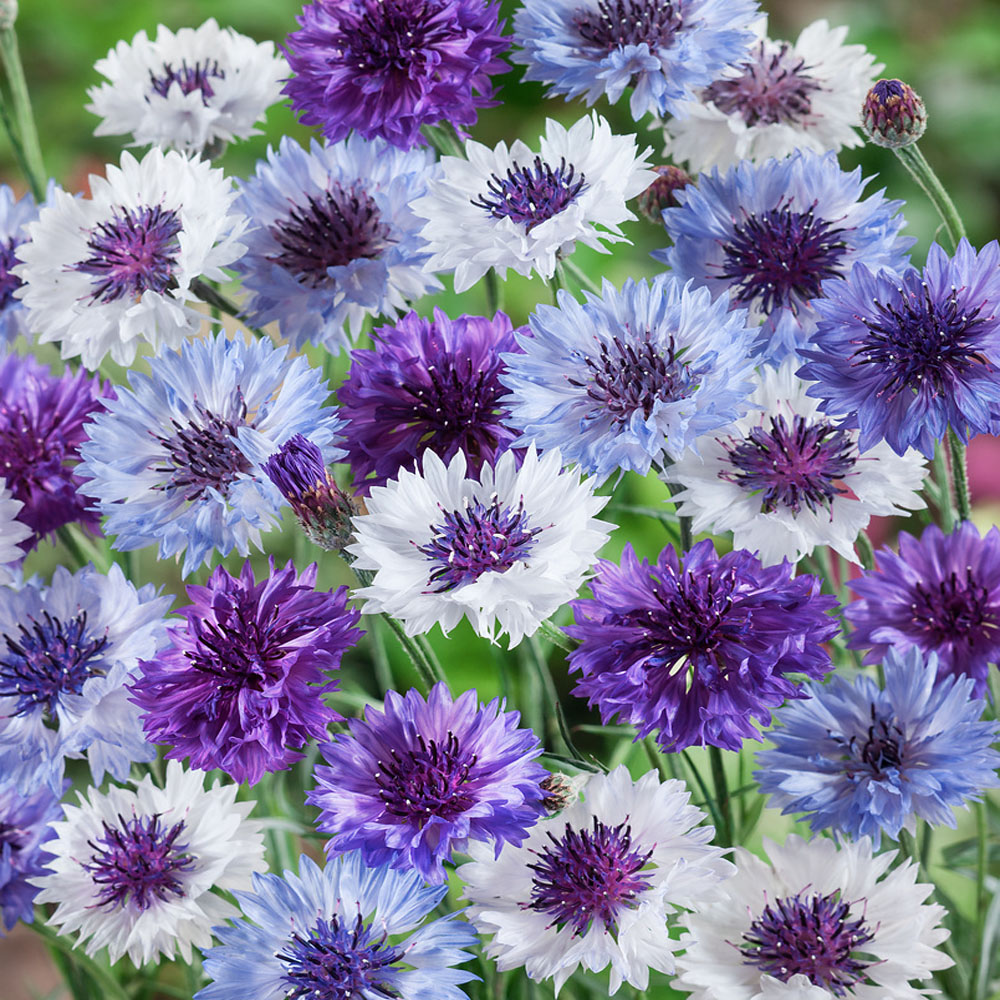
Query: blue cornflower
x=770, y=235
x=343, y=931
x=666, y=51
x=629, y=377
x=176, y=458
x=698, y=646
x=864, y=759
x=335, y=238
x=66, y=653
x=24, y=828
x=419, y=780
x=906, y=356
x=15, y=214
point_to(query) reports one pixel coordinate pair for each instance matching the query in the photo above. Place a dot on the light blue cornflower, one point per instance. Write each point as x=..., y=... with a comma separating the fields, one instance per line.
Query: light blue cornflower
x=15, y=214
x=67, y=652
x=666, y=51
x=628, y=377
x=333, y=238
x=341, y=931
x=176, y=458
x=770, y=235
x=863, y=760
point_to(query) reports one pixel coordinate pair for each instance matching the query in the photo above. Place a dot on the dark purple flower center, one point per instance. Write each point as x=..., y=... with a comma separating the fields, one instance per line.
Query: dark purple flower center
x=479, y=539
x=792, y=467
x=920, y=343
x=880, y=752
x=956, y=610
x=196, y=76
x=138, y=862
x=48, y=658
x=811, y=937
x=133, y=252
x=203, y=454
x=630, y=377
x=531, y=195
x=774, y=89
x=427, y=780
x=340, y=961
x=330, y=230
x=629, y=22
x=588, y=875
x=781, y=257
x=9, y=283
x=692, y=624
x=388, y=37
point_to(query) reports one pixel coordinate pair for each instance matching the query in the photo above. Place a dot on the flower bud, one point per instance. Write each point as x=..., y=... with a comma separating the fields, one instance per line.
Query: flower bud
x=660, y=194
x=893, y=114
x=323, y=509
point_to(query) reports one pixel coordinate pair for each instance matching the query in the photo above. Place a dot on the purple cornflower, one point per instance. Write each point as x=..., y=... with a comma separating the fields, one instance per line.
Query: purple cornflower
x=387, y=67
x=323, y=509
x=24, y=827
x=907, y=356
x=419, y=780
x=242, y=686
x=940, y=594
x=426, y=384
x=43, y=421
x=698, y=648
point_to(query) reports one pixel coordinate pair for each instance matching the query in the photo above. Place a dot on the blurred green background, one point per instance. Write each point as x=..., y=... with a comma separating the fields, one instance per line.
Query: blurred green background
x=948, y=51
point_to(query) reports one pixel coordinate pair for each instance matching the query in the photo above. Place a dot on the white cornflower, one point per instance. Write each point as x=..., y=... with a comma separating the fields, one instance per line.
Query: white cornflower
x=189, y=90
x=518, y=209
x=506, y=550
x=134, y=871
x=818, y=922
x=12, y=532
x=785, y=478
x=103, y=273
x=786, y=97
x=595, y=885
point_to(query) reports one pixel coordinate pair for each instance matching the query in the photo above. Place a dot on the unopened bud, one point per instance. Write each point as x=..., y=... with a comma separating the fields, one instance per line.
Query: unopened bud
x=561, y=791
x=323, y=509
x=893, y=114
x=8, y=14
x=660, y=194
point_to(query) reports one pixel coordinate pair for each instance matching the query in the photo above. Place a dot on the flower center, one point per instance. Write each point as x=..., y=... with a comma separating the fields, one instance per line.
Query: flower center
x=772, y=90
x=133, y=252
x=387, y=36
x=588, y=875
x=955, y=611
x=781, y=258
x=138, y=862
x=479, y=539
x=330, y=230
x=9, y=283
x=881, y=751
x=47, y=659
x=197, y=76
x=13, y=837
x=338, y=962
x=629, y=378
x=531, y=195
x=792, y=467
x=628, y=22
x=427, y=781
x=922, y=342
x=811, y=937
x=203, y=454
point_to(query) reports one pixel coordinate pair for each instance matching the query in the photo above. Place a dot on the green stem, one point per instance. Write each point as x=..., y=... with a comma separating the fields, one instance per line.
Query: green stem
x=111, y=988
x=920, y=170
x=555, y=635
x=976, y=985
x=83, y=549
x=865, y=551
x=443, y=140
x=433, y=663
x=706, y=795
x=494, y=293
x=214, y=298
x=558, y=729
x=557, y=282
x=687, y=538
x=27, y=133
x=413, y=651
x=941, y=477
x=959, y=476
x=722, y=795
x=580, y=276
